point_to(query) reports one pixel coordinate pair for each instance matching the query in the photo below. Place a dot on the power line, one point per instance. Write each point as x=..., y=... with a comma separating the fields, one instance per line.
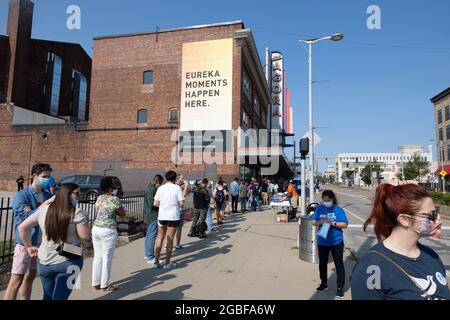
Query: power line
x=388, y=45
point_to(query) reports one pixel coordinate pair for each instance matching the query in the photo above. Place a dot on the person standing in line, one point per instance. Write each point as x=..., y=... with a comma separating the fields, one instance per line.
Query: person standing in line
x=406, y=269
x=104, y=235
x=234, y=190
x=20, y=181
x=211, y=206
x=250, y=194
x=201, y=203
x=62, y=226
x=256, y=192
x=26, y=202
x=243, y=195
x=331, y=216
x=185, y=188
x=170, y=199
x=151, y=218
x=219, y=196
x=227, y=209
x=270, y=190
x=264, y=192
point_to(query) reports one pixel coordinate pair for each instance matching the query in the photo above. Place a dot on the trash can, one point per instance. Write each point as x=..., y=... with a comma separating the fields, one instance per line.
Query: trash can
x=308, y=240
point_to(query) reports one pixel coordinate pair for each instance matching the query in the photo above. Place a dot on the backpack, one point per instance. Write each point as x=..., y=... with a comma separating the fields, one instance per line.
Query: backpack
x=220, y=196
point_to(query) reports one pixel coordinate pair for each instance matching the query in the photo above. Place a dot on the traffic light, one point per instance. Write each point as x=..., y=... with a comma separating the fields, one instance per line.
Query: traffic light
x=304, y=146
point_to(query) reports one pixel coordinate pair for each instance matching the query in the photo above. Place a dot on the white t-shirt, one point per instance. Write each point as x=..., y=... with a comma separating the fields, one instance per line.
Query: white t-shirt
x=47, y=253
x=168, y=196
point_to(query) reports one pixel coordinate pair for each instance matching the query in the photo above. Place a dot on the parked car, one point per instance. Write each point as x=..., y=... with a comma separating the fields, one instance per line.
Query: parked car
x=90, y=185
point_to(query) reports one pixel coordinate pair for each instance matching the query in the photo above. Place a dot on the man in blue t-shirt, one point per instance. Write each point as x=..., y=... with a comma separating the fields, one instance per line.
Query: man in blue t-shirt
x=25, y=203
x=331, y=219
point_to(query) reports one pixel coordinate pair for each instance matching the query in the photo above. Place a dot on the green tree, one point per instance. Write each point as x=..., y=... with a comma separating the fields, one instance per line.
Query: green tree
x=367, y=172
x=415, y=169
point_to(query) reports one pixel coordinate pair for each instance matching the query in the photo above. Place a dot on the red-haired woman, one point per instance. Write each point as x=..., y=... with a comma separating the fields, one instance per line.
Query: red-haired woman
x=399, y=267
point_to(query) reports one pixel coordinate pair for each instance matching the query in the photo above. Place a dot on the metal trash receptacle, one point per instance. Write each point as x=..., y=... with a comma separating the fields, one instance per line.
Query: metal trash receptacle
x=308, y=241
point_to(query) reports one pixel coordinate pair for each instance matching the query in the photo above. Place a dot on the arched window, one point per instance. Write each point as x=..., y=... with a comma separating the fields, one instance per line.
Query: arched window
x=142, y=116
x=148, y=77
x=173, y=115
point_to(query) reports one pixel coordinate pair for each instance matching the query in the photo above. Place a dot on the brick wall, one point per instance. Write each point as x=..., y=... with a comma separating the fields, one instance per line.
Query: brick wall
x=110, y=143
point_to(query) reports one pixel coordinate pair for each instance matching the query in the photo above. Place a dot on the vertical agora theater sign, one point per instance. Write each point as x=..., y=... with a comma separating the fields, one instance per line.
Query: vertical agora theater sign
x=206, y=85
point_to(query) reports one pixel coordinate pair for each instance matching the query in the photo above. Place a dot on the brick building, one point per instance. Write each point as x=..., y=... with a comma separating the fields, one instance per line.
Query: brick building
x=142, y=99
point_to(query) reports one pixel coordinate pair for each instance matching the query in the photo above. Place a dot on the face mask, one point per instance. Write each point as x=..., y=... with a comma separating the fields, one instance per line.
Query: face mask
x=75, y=203
x=114, y=192
x=43, y=182
x=328, y=204
x=427, y=228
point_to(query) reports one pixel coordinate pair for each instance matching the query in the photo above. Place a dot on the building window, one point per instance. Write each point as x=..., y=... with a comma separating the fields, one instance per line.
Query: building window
x=173, y=115
x=79, y=95
x=148, y=77
x=441, y=134
x=257, y=106
x=142, y=116
x=247, y=85
x=447, y=113
x=53, y=84
x=440, y=116
x=246, y=121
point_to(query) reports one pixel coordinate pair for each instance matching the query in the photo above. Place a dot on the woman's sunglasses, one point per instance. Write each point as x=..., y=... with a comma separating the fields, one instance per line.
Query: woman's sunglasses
x=432, y=216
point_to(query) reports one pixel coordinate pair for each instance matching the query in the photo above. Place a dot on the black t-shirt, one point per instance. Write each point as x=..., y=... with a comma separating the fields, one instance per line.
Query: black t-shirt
x=264, y=187
x=376, y=278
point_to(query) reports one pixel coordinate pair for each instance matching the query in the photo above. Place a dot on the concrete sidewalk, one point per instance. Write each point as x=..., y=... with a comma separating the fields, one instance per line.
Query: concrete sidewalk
x=249, y=258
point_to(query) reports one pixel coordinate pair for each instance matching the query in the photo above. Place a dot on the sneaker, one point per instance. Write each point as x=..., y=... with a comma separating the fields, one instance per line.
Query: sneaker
x=179, y=247
x=155, y=265
x=340, y=293
x=220, y=222
x=151, y=261
x=322, y=287
x=190, y=235
x=171, y=265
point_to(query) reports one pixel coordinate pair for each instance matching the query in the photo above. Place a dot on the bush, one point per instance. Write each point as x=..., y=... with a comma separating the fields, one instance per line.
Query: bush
x=442, y=199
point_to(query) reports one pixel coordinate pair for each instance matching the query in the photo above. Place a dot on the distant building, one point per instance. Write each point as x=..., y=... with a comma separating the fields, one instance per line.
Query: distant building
x=44, y=80
x=441, y=104
x=350, y=165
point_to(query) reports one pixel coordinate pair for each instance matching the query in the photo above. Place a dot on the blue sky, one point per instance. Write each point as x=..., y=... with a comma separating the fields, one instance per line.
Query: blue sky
x=374, y=86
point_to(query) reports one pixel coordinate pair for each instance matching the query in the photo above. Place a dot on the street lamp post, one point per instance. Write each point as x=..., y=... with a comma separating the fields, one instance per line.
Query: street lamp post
x=310, y=42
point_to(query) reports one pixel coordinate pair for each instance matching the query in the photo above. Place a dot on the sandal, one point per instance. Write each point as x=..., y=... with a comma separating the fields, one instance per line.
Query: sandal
x=96, y=288
x=110, y=288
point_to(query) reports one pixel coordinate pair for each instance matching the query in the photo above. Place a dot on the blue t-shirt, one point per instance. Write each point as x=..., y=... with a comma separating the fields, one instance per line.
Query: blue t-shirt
x=335, y=234
x=376, y=278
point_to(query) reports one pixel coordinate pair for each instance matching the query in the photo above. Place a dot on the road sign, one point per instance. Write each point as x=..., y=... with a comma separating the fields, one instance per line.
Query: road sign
x=317, y=138
x=443, y=173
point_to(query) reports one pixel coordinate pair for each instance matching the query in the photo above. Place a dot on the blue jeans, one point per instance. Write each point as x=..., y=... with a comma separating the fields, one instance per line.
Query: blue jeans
x=209, y=220
x=58, y=279
x=256, y=203
x=150, y=238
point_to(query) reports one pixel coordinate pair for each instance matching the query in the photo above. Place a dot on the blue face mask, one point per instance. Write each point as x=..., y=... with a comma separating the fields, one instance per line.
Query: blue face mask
x=75, y=202
x=43, y=182
x=328, y=204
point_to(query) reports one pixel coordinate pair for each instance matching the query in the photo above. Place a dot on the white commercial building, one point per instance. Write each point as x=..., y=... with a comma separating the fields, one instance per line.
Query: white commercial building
x=350, y=165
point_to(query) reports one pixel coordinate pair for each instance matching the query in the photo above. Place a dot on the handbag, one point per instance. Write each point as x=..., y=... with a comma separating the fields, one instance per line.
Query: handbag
x=186, y=216
x=323, y=231
x=69, y=251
